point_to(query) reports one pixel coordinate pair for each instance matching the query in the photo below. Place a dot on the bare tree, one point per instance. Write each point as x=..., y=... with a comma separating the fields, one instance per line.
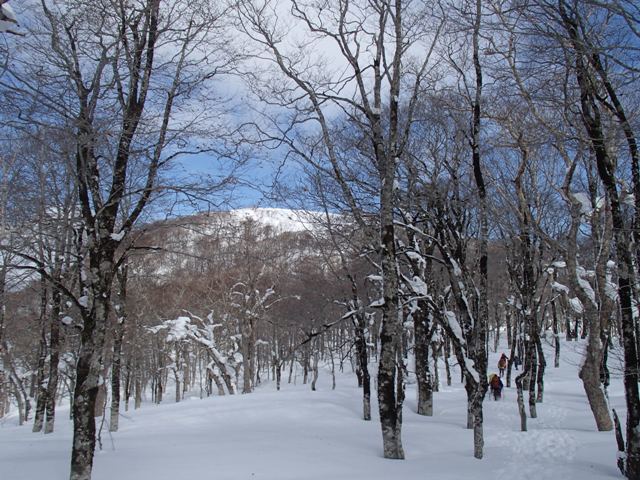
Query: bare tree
x=586, y=56
x=369, y=87
x=133, y=64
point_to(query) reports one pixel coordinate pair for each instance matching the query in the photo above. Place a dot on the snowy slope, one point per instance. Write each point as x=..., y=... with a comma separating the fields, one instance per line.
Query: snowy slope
x=281, y=219
x=298, y=434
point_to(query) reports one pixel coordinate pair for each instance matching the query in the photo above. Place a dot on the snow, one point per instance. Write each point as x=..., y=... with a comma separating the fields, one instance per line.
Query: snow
x=299, y=434
x=469, y=364
x=6, y=26
x=454, y=325
x=558, y=287
x=611, y=289
x=585, y=202
x=418, y=286
x=377, y=303
x=281, y=219
x=349, y=314
x=10, y=24
x=456, y=268
x=8, y=12
x=576, y=305
x=117, y=236
x=83, y=301
x=588, y=290
x=177, y=329
x=629, y=199
x=416, y=257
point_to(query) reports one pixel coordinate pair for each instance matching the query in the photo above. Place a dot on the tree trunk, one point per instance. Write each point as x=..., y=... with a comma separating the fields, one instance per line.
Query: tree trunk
x=4, y=377
x=542, y=364
x=390, y=387
x=54, y=360
x=291, y=364
x=447, y=353
x=423, y=377
x=478, y=420
x=435, y=351
x=89, y=369
x=218, y=382
x=512, y=354
x=360, y=324
x=482, y=320
x=508, y=323
x=138, y=392
x=116, y=374
x=496, y=337
x=41, y=382
x=591, y=380
x=532, y=358
x=247, y=363
x=20, y=401
x=556, y=335
x=20, y=392
x=316, y=358
x=519, y=387
x=305, y=366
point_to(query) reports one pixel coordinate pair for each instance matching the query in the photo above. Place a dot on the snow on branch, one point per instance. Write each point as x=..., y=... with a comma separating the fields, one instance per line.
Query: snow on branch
x=455, y=330
x=417, y=285
x=454, y=326
x=558, y=287
x=576, y=305
x=8, y=19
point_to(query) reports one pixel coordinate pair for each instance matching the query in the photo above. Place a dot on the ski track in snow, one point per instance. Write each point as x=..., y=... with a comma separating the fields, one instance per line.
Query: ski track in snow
x=544, y=443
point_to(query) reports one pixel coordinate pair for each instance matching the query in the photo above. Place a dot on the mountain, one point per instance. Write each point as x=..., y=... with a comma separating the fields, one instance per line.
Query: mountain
x=280, y=219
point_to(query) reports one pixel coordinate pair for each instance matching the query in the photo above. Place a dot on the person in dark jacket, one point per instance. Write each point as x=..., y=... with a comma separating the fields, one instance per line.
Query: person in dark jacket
x=516, y=362
x=496, y=385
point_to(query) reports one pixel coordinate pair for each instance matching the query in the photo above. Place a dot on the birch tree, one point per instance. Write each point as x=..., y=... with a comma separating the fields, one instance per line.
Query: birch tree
x=382, y=58
x=123, y=69
x=587, y=66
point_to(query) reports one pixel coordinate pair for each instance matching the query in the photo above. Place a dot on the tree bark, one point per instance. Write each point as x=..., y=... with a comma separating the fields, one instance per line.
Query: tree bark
x=556, y=335
x=41, y=392
x=360, y=324
x=89, y=369
x=482, y=320
x=54, y=359
x=423, y=376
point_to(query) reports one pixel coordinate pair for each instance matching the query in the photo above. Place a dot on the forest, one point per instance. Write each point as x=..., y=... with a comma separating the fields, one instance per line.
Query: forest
x=442, y=180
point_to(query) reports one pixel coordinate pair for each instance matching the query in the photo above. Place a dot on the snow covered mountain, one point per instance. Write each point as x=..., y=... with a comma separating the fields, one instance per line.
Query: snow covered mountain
x=183, y=243
x=281, y=219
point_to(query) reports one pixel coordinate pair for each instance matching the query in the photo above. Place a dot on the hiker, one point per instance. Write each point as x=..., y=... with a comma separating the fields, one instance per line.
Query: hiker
x=516, y=361
x=502, y=364
x=496, y=386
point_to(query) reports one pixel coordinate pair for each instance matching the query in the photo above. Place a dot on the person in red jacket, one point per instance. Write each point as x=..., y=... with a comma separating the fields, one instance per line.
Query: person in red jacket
x=502, y=364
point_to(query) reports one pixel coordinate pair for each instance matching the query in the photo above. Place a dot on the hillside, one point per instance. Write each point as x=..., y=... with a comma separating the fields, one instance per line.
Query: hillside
x=299, y=434
x=164, y=248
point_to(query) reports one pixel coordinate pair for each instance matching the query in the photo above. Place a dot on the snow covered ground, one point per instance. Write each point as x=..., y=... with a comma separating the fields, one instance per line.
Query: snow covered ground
x=298, y=434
